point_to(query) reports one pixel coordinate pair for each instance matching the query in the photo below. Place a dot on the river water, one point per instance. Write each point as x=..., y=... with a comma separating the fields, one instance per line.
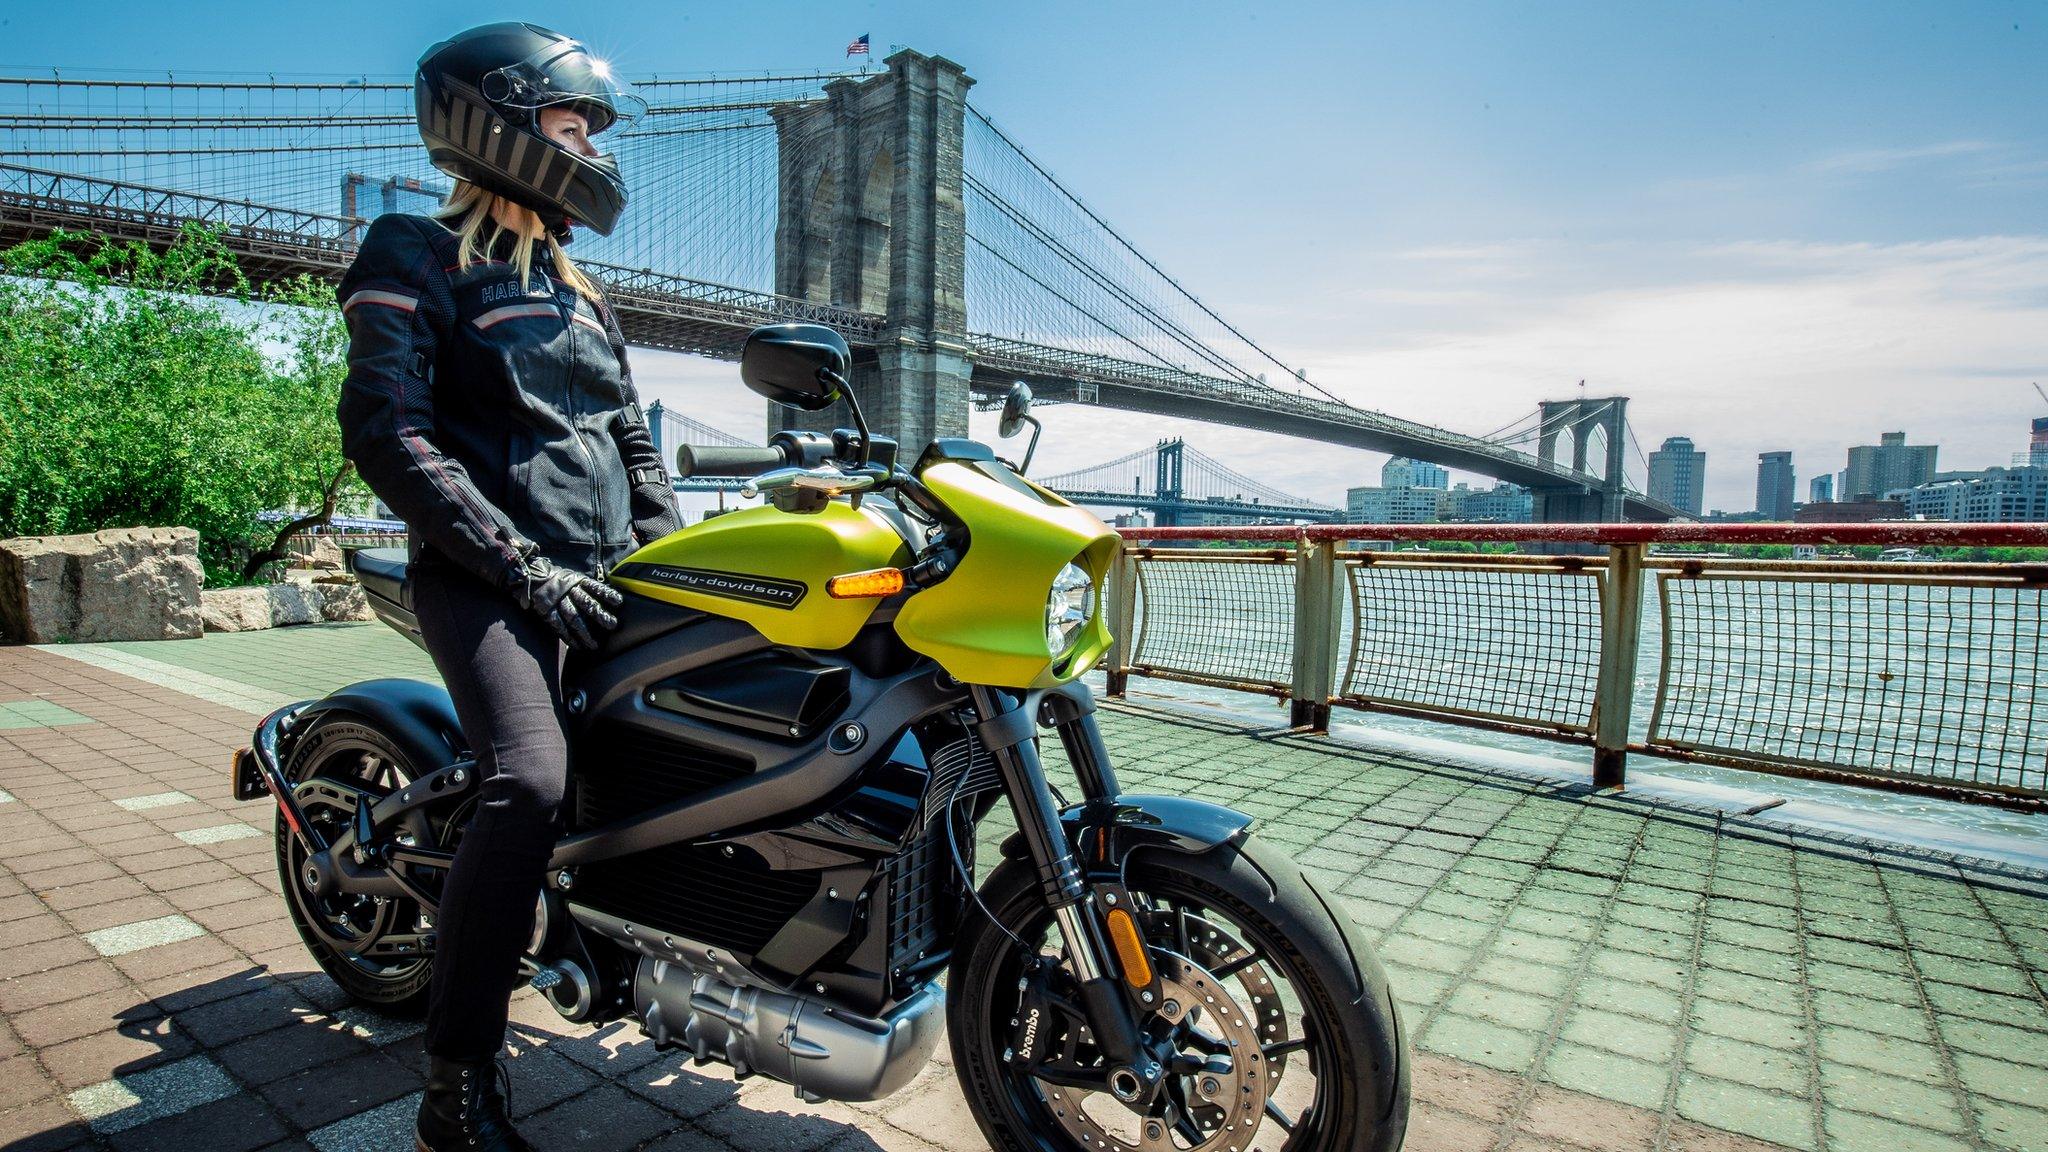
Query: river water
x=1969, y=664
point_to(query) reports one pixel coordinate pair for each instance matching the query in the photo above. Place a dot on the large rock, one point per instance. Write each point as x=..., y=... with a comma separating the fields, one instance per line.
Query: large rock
x=235, y=609
x=326, y=554
x=293, y=603
x=116, y=584
x=345, y=602
x=276, y=605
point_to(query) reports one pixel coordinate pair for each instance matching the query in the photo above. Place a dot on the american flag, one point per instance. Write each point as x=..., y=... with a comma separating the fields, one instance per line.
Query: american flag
x=858, y=47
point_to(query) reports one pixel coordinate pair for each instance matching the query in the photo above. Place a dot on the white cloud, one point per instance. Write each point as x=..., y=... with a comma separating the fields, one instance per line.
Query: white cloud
x=1745, y=347
x=1869, y=161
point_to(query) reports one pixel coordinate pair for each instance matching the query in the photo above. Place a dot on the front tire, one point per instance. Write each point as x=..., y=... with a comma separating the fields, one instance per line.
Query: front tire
x=1233, y=920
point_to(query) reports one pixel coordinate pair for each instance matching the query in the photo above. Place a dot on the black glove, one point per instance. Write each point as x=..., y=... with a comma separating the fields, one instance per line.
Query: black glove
x=577, y=607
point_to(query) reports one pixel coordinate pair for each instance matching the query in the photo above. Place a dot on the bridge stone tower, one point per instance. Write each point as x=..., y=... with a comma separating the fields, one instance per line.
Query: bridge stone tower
x=1603, y=500
x=871, y=216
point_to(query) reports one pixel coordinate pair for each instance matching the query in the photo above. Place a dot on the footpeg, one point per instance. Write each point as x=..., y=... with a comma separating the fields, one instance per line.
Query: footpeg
x=545, y=979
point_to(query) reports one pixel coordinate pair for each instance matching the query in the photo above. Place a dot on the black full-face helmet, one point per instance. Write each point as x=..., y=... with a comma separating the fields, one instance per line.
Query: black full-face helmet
x=479, y=94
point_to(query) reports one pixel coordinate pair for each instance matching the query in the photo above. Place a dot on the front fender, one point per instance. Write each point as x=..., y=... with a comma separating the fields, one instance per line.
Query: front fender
x=417, y=716
x=1105, y=833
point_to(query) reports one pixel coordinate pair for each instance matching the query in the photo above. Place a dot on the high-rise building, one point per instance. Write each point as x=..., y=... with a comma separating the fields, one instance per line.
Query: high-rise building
x=1993, y=496
x=1503, y=503
x=1401, y=505
x=1678, y=475
x=1887, y=466
x=1401, y=472
x=1821, y=489
x=1774, y=485
x=2037, y=449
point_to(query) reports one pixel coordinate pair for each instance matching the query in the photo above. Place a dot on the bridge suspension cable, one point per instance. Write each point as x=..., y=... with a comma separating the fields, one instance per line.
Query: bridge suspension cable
x=1019, y=211
x=703, y=163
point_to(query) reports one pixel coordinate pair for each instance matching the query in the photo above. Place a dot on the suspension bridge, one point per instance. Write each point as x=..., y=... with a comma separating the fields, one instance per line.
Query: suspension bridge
x=1177, y=484
x=884, y=204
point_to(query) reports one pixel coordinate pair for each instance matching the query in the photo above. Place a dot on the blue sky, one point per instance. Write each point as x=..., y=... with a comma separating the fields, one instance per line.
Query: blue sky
x=1773, y=226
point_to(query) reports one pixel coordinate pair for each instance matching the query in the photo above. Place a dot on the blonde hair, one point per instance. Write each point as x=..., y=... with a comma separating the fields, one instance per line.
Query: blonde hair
x=472, y=208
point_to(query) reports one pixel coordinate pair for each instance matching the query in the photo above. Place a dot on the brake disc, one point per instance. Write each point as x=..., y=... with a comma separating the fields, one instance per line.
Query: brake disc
x=1215, y=949
x=1217, y=1109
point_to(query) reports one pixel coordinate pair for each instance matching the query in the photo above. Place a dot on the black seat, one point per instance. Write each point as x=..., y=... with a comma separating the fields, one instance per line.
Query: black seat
x=382, y=572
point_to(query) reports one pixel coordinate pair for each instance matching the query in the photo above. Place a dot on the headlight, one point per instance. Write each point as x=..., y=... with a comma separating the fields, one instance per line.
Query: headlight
x=1068, y=608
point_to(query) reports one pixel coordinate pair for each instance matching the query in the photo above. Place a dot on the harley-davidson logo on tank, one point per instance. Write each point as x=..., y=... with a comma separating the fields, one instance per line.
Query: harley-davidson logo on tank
x=732, y=585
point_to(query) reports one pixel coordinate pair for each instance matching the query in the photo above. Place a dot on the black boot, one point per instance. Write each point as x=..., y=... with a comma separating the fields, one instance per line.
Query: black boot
x=463, y=1110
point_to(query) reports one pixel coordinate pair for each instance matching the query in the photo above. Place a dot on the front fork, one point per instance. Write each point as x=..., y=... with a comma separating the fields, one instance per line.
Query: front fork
x=1113, y=1001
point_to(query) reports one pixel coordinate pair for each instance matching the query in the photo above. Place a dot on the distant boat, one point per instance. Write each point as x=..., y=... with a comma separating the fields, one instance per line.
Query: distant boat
x=1900, y=555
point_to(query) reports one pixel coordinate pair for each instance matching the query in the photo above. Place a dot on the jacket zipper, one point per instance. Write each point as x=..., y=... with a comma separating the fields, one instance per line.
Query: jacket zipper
x=576, y=430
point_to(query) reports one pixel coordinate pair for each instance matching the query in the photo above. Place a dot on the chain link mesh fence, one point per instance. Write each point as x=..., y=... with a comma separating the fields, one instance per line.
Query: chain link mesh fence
x=1223, y=620
x=1521, y=646
x=1929, y=680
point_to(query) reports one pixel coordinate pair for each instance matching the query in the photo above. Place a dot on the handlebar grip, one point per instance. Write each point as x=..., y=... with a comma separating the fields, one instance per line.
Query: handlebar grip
x=743, y=460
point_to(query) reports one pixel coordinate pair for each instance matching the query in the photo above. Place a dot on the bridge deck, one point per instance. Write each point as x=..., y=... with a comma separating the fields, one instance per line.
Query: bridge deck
x=677, y=313
x=1577, y=971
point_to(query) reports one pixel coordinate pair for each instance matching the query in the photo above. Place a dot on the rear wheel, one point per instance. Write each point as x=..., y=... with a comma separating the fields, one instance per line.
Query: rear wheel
x=1275, y=1014
x=378, y=949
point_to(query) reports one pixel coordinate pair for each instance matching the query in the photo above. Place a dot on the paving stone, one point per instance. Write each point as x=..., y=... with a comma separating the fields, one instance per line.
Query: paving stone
x=119, y=1051
x=1748, y=1111
x=138, y=1098
x=1922, y=1105
x=1855, y=1132
x=219, y=833
x=320, y=1096
x=1481, y=1042
x=385, y=1128
x=1607, y=1075
x=1588, y=1122
x=1746, y=1063
x=124, y=938
x=1642, y=1039
x=152, y=800
x=236, y=1124
x=603, y=1119
x=2011, y=1127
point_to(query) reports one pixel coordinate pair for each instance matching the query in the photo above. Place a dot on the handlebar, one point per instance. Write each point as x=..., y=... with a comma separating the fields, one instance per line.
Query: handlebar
x=741, y=460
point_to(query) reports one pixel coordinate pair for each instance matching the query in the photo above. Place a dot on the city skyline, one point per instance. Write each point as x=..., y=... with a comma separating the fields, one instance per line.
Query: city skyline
x=1522, y=199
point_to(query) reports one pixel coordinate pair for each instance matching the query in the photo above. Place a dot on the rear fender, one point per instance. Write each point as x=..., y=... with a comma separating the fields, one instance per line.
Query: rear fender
x=1105, y=833
x=417, y=716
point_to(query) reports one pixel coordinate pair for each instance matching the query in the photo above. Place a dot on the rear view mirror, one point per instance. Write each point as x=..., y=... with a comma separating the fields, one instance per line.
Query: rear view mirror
x=1016, y=414
x=801, y=366
x=1016, y=406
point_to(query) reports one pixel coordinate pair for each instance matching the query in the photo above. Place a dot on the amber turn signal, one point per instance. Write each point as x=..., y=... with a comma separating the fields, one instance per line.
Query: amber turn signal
x=1130, y=948
x=875, y=582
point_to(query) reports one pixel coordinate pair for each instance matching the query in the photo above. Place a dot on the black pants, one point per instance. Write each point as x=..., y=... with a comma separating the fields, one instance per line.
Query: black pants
x=503, y=667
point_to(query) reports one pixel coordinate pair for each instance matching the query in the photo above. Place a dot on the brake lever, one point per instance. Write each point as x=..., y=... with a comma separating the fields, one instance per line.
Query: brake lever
x=830, y=481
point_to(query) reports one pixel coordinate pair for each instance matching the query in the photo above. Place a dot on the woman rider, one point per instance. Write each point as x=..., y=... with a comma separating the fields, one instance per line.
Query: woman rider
x=488, y=403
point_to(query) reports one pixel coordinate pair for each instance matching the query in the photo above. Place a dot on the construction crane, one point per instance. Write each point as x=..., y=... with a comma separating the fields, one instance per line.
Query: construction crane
x=2040, y=393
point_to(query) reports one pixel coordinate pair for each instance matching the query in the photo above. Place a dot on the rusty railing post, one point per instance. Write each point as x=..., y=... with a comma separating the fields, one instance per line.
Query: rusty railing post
x=1621, y=623
x=1123, y=618
x=1318, y=618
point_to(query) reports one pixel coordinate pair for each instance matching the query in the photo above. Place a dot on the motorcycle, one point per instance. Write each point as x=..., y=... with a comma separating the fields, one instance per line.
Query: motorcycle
x=780, y=760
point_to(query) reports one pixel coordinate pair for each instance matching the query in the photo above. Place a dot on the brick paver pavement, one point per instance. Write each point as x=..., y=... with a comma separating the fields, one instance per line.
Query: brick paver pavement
x=1580, y=972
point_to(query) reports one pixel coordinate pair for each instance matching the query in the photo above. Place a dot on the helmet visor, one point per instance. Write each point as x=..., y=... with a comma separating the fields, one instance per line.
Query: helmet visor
x=566, y=74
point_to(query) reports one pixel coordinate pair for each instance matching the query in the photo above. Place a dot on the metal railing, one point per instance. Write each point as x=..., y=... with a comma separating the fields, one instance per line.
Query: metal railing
x=1922, y=676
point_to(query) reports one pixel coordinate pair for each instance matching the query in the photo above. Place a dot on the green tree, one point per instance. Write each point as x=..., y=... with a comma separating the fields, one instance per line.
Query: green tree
x=160, y=388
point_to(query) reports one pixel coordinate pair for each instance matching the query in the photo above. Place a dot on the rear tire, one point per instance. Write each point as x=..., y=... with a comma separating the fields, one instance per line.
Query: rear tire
x=340, y=746
x=1349, y=1041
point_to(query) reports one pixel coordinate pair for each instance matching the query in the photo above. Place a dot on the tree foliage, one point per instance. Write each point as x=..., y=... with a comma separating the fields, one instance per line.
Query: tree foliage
x=160, y=388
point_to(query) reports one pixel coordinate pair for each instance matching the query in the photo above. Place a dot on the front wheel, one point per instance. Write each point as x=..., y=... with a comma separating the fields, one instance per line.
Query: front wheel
x=1278, y=1015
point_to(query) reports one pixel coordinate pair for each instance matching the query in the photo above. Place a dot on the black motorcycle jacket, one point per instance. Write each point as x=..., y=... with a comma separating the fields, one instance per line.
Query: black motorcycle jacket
x=494, y=421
